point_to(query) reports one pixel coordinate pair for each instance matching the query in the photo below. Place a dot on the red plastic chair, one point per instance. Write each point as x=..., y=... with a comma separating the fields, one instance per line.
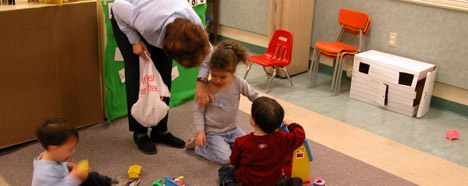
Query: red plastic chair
x=350, y=21
x=277, y=55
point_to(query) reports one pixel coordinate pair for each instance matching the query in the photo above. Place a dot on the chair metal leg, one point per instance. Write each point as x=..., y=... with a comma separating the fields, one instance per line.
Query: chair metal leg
x=312, y=64
x=335, y=75
x=335, y=66
x=314, y=67
x=289, y=77
x=317, y=64
x=271, y=79
x=340, y=74
x=266, y=72
x=248, y=69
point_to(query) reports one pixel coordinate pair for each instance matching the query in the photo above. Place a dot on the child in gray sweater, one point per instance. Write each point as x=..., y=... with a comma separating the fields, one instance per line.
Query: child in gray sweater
x=216, y=123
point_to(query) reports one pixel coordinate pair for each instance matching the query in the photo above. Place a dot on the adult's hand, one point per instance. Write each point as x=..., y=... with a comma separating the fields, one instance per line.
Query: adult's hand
x=203, y=94
x=139, y=48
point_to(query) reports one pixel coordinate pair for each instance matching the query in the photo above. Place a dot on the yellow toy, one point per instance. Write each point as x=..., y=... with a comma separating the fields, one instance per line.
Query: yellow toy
x=301, y=162
x=83, y=166
x=134, y=171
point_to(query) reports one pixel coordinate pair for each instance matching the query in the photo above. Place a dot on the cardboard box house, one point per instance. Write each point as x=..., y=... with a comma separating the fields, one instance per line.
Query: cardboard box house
x=396, y=83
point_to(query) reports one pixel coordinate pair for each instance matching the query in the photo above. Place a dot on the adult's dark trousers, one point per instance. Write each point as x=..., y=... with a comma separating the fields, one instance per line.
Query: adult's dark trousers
x=163, y=64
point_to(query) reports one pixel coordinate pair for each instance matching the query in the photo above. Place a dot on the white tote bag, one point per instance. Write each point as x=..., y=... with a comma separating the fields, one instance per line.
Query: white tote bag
x=149, y=108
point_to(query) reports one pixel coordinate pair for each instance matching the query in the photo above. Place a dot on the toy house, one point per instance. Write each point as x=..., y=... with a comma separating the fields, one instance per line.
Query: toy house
x=396, y=83
x=301, y=162
x=134, y=171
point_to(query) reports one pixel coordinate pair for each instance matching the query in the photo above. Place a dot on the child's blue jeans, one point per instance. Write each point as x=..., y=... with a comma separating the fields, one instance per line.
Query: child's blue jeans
x=218, y=145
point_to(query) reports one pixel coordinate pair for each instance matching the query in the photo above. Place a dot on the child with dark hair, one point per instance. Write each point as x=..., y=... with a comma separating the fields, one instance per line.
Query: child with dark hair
x=59, y=138
x=216, y=124
x=257, y=158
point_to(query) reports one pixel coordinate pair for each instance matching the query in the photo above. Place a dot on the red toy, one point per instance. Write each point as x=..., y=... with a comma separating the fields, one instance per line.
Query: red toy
x=452, y=135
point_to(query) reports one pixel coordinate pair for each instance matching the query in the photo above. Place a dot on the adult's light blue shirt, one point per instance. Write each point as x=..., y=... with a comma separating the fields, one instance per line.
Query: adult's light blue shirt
x=150, y=18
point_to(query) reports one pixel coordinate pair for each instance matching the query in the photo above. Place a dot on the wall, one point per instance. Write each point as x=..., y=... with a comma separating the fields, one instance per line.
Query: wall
x=443, y=46
x=249, y=15
x=425, y=33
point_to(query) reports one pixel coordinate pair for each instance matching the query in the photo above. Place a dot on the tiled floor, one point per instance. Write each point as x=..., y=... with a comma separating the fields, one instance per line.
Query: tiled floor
x=426, y=134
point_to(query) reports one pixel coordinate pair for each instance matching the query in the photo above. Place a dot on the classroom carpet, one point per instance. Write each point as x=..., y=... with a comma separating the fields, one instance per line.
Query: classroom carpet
x=111, y=151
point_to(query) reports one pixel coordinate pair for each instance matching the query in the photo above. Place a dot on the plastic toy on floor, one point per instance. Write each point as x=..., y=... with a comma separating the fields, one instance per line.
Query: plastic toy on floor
x=319, y=182
x=158, y=183
x=134, y=171
x=176, y=181
x=298, y=163
x=452, y=135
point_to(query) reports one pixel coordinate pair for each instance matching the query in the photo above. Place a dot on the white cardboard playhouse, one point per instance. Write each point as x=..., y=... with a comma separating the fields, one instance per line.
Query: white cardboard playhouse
x=396, y=83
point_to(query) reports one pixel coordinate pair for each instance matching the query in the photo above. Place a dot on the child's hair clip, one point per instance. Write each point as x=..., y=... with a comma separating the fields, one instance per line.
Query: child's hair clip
x=229, y=46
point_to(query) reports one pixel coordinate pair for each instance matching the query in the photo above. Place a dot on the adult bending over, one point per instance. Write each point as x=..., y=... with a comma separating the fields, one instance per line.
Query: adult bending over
x=166, y=30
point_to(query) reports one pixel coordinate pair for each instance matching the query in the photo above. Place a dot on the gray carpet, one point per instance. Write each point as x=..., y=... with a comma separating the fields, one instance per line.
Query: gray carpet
x=111, y=151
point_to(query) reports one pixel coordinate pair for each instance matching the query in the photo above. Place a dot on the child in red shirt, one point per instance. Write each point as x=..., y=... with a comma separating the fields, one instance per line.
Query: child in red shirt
x=257, y=158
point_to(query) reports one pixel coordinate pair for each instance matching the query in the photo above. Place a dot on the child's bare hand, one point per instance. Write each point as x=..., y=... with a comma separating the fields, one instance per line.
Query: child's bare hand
x=201, y=139
x=71, y=164
x=80, y=174
x=286, y=122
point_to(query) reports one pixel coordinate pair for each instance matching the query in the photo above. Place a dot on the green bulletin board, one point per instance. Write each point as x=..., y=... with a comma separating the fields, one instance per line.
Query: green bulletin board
x=116, y=98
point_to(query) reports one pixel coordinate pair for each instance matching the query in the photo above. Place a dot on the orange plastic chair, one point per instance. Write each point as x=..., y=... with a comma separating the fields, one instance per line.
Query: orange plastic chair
x=277, y=55
x=353, y=22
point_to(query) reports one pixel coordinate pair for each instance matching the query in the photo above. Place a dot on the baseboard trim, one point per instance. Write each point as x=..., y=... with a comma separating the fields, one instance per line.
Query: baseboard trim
x=253, y=48
x=450, y=106
x=436, y=102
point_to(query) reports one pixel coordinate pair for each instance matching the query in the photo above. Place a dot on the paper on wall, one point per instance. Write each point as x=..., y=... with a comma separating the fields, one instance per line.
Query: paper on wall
x=175, y=73
x=118, y=55
x=122, y=75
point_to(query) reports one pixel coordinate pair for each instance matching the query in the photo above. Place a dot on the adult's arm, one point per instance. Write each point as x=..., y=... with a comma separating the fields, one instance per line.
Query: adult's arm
x=202, y=91
x=123, y=14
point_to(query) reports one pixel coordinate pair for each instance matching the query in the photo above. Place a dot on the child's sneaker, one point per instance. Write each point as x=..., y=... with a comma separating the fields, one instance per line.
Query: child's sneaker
x=190, y=145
